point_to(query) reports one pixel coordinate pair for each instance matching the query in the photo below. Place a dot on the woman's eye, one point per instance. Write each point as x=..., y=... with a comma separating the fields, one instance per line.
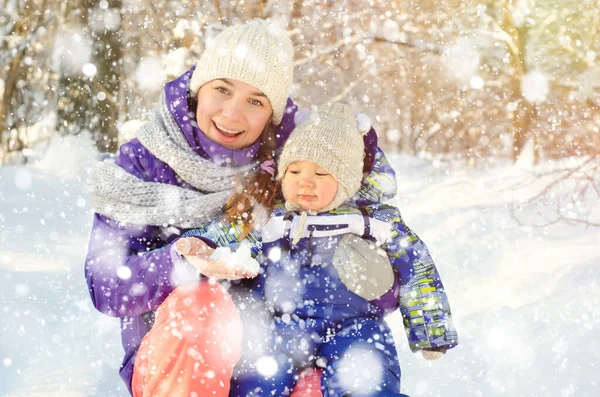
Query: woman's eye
x=256, y=102
x=222, y=90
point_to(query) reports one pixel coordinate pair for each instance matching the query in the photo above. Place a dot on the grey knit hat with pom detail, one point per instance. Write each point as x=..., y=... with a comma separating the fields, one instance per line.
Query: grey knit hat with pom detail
x=257, y=53
x=330, y=138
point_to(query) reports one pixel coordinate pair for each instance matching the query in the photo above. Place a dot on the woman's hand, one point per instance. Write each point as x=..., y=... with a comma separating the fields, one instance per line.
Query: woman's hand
x=197, y=253
x=193, y=246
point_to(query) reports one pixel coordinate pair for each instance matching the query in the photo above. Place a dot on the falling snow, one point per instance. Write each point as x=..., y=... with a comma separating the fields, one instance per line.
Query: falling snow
x=462, y=60
x=535, y=87
x=517, y=295
x=447, y=84
x=150, y=74
x=72, y=51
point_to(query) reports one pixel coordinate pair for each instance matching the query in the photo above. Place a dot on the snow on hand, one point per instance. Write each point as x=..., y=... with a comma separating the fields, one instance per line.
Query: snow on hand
x=241, y=259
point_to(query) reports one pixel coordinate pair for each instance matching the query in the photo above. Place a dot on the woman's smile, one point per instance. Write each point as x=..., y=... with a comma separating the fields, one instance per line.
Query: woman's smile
x=226, y=134
x=225, y=130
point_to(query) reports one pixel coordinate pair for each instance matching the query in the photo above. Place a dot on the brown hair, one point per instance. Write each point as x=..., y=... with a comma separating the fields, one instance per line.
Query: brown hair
x=260, y=189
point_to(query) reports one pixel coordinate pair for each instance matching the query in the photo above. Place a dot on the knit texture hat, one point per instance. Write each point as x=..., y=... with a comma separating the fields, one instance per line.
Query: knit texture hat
x=256, y=53
x=332, y=139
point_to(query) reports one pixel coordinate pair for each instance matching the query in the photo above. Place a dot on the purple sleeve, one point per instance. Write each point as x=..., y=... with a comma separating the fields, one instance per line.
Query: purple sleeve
x=423, y=301
x=131, y=269
x=370, y=141
x=287, y=122
x=134, y=158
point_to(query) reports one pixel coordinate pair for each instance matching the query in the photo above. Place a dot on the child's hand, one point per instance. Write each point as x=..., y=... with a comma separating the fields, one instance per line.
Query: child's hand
x=432, y=354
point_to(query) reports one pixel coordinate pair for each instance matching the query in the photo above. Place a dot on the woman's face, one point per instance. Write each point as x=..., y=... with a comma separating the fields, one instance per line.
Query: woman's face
x=308, y=185
x=232, y=113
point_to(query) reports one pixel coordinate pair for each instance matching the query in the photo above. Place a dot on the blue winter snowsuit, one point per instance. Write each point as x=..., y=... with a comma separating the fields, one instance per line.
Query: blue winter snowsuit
x=317, y=320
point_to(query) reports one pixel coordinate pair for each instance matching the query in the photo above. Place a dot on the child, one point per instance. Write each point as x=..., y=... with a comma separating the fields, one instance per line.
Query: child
x=325, y=310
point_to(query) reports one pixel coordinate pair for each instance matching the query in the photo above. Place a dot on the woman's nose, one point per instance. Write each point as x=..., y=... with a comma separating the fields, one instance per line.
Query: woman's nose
x=232, y=109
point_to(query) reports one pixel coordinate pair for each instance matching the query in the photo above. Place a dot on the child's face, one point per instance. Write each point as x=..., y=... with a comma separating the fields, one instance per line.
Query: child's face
x=308, y=185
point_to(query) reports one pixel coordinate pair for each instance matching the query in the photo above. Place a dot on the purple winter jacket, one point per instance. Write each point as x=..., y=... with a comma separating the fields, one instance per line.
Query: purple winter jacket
x=128, y=267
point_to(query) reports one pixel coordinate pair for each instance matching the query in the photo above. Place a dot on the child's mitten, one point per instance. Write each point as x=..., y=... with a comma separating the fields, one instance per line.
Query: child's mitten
x=363, y=267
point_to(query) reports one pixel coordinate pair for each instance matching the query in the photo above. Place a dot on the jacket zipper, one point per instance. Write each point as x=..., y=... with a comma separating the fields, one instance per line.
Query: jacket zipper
x=310, y=242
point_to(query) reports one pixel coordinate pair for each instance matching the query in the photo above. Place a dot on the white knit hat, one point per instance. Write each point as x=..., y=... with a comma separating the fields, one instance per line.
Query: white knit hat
x=333, y=139
x=256, y=53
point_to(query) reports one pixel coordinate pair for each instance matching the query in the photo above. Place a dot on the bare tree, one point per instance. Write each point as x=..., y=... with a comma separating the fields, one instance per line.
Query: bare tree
x=389, y=59
x=27, y=26
x=88, y=90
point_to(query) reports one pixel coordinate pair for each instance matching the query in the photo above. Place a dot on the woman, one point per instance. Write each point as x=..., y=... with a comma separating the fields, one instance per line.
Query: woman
x=212, y=124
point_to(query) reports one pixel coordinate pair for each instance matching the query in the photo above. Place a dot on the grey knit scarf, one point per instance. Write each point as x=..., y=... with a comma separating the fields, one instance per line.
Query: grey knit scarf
x=125, y=198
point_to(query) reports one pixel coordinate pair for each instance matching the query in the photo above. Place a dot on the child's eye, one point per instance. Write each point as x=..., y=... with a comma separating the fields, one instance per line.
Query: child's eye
x=321, y=174
x=222, y=90
x=256, y=102
x=295, y=172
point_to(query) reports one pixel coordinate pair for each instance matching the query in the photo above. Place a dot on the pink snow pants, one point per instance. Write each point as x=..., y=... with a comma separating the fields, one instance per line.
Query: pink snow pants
x=194, y=345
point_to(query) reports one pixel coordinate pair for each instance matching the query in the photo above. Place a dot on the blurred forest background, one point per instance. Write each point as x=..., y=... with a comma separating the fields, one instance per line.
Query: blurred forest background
x=458, y=80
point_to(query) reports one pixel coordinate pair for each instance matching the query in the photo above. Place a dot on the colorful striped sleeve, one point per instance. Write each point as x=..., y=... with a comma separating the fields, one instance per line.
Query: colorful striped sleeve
x=423, y=300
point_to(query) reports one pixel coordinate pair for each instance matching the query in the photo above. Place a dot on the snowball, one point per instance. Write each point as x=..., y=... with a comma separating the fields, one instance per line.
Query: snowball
x=240, y=260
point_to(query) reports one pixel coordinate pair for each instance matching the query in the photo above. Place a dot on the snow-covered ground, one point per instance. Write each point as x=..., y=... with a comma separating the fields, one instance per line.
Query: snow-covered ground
x=525, y=299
